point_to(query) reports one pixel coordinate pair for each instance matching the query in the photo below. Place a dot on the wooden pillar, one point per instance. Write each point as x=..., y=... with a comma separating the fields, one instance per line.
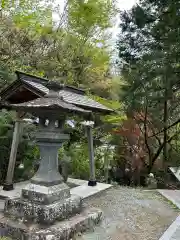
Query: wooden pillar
x=89, y=126
x=106, y=163
x=92, y=181
x=8, y=185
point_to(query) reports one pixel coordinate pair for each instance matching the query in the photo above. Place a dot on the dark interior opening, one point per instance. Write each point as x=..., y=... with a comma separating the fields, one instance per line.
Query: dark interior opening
x=21, y=95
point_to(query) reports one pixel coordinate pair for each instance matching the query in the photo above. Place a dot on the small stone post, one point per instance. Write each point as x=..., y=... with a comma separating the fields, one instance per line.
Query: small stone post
x=106, y=163
x=12, y=160
x=89, y=127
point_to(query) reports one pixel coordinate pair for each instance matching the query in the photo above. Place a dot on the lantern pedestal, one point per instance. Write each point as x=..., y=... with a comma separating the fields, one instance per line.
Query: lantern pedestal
x=43, y=214
x=46, y=208
x=47, y=198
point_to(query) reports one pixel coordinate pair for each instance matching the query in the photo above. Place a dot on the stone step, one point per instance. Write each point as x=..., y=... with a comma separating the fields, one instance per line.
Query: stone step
x=41, y=213
x=63, y=230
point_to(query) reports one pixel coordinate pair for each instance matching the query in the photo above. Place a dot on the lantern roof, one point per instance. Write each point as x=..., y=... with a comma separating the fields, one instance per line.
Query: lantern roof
x=51, y=101
x=28, y=88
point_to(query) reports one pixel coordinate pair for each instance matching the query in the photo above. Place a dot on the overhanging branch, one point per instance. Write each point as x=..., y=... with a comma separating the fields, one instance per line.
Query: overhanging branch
x=172, y=125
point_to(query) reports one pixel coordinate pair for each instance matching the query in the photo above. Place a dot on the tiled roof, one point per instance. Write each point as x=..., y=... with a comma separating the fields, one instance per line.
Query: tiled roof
x=81, y=100
x=28, y=77
x=39, y=86
x=35, y=82
x=70, y=94
x=51, y=103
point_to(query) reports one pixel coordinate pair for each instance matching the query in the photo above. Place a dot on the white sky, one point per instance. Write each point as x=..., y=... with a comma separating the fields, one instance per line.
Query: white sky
x=123, y=5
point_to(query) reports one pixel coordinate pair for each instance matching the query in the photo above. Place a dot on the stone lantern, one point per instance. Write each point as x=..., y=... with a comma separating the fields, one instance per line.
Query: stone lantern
x=45, y=203
x=29, y=87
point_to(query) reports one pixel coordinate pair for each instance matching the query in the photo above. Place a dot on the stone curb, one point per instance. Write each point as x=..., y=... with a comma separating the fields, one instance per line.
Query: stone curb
x=171, y=230
x=168, y=234
x=168, y=197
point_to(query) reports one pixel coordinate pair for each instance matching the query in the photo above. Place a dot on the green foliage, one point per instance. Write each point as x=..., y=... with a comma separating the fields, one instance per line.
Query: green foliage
x=85, y=16
x=6, y=126
x=26, y=153
x=31, y=42
x=149, y=55
x=73, y=50
x=79, y=161
x=5, y=75
x=79, y=167
x=103, y=160
x=5, y=238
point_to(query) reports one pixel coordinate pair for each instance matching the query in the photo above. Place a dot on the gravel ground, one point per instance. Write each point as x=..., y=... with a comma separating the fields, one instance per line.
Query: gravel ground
x=131, y=214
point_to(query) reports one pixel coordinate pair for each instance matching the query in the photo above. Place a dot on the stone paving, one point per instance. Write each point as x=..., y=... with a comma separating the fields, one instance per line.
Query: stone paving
x=71, y=215
x=80, y=188
x=131, y=214
x=176, y=235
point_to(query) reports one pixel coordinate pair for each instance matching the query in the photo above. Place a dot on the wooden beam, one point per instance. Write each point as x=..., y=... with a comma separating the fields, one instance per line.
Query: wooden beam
x=14, y=147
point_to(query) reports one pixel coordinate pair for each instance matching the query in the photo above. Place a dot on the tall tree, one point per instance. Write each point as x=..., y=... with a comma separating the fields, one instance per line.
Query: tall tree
x=149, y=55
x=74, y=47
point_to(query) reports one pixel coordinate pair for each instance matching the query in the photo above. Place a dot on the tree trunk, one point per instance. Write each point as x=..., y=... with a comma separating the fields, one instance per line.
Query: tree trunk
x=151, y=164
x=165, y=122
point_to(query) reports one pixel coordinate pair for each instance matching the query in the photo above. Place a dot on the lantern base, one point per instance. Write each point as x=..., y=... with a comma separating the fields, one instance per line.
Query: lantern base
x=8, y=187
x=66, y=229
x=45, y=195
x=92, y=183
x=43, y=214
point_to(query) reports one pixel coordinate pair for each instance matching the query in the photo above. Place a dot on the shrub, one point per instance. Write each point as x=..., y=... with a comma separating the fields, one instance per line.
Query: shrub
x=79, y=161
x=27, y=151
x=5, y=238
